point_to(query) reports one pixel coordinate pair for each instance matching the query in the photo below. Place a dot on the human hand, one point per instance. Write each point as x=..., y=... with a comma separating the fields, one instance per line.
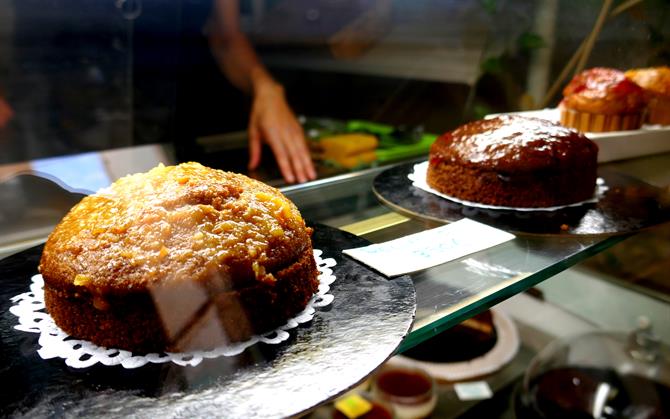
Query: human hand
x=272, y=121
x=6, y=113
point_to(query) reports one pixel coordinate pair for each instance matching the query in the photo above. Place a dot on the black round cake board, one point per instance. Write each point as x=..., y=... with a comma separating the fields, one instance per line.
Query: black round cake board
x=342, y=345
x=629, y=205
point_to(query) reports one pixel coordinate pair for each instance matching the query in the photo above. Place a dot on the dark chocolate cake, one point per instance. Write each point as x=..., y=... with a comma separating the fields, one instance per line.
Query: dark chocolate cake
x=470, y=339
x=514, y=161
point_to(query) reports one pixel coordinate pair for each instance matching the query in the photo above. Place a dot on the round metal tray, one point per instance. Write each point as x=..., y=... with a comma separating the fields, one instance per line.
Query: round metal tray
x=628, y=206
x=340, y=347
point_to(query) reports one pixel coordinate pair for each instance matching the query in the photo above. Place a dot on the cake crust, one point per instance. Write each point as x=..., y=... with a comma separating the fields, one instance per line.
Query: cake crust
x=138, y=322
x=137, y=263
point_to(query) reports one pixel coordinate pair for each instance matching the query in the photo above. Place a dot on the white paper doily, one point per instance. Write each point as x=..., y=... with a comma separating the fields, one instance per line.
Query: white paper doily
x=54, y=343
x=418, y=178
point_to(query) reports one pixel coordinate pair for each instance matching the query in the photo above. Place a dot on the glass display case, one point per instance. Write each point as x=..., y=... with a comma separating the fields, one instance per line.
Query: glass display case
x=92, y=92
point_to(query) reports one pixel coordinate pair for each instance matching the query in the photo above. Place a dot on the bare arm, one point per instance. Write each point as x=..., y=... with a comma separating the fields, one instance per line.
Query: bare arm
x=271, y=119
x=6, y=112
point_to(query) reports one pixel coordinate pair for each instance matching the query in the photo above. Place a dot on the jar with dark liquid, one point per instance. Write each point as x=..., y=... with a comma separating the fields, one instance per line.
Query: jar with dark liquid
x=596, y=393
x=411, y=391
x=598, y=375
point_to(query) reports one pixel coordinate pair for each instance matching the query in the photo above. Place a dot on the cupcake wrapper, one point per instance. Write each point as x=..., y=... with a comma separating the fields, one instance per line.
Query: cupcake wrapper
x=659, y=111
x=590, y=122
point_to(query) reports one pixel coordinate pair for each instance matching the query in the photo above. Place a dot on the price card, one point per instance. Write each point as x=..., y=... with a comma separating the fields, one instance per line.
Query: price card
x=429, y=248
x=476, y=390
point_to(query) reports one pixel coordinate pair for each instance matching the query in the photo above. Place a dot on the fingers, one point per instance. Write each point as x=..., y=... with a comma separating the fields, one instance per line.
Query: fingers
x=272, y=118
x=254, y=147
x=292, y=154
x=300, y=156
x=282, y=156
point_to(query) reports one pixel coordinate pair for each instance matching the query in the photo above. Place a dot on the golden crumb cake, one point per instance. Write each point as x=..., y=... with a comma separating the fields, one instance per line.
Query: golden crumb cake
x=514, y=161
x=601, y=100
x=656, y=82
x=181, y=257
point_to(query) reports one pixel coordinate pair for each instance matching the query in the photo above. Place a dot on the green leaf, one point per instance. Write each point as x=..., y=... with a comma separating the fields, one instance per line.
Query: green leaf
x=492, y=65
x=480, y=110
x=655, y=36
x=489, y=5
x=529, y=41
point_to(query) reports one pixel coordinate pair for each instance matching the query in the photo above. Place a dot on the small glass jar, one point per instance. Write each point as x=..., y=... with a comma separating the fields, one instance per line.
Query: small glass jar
x=411, y=391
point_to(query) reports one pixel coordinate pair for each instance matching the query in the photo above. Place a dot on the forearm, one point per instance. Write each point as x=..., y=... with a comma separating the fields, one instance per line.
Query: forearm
x=271, y=119
x=6, y=112
x=234, y=54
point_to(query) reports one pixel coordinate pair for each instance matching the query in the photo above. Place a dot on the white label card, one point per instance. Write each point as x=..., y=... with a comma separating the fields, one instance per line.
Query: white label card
x=429, y=248
x=476, y=390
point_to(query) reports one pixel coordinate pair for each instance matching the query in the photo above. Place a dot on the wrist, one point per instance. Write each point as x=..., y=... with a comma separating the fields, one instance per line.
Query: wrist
x=263, y=84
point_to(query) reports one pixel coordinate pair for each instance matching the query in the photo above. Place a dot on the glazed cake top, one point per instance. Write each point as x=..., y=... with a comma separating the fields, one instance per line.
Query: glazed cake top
x=175, y=223
x=603, y=91
x=655, y=79
x=514, y=144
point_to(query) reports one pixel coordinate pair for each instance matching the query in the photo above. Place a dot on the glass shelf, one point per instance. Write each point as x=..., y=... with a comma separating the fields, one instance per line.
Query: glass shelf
x=450, y=293
x=446, y=294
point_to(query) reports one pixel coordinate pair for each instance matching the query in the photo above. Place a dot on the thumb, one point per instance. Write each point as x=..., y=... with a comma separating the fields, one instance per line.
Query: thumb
x=254, y=147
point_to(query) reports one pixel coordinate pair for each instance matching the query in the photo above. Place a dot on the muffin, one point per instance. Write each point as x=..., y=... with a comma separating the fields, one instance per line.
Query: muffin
x=601, y=100
x=179, y=258
x=656, y=82
x=514, y=161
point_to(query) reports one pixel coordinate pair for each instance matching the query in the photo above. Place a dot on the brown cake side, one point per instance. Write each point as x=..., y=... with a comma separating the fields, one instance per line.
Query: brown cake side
x=181, y=257
x=514, y=161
